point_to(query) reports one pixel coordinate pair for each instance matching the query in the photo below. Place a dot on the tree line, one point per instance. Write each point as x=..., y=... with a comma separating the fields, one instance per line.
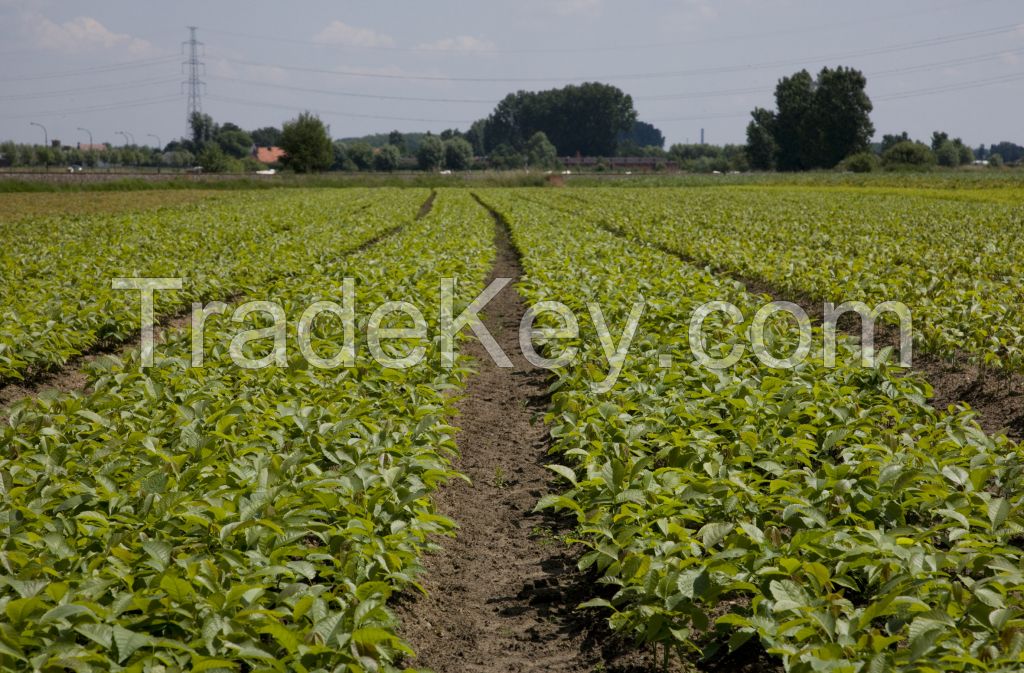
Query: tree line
x=819, y=122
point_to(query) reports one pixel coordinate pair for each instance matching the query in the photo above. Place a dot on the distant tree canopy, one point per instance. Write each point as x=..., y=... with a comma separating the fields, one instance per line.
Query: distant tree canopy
x=818, y=121
x=641, y=134
x=308, y=147
x=430, y=154
x=909, y=154
x=387, y=158
x=586, y=119
x=888, y=140
x=540, y=153
x=397, y=140
x=268, y=136
x=1008, y=152
x=458, y=153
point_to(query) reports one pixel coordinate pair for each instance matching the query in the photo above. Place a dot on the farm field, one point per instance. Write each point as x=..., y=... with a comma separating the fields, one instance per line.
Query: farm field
x=954, y=258
x=291, y=517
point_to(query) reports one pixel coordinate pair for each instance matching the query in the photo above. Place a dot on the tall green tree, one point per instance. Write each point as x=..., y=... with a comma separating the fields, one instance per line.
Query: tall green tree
x=202, y=128
x=794, y=100
x=233, y=140
x=361, y=155
x=540, y=153
x=306, y=143
x=458, y=154
x=397, y=140
x=641, y=134
x=430, y=155
x=386, y=159
x=761, y=146
x=840, y=121
x=818, y=121
x=585, y=119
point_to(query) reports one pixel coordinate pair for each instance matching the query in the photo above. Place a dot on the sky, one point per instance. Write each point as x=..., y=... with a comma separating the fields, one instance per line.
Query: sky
x=110, y=66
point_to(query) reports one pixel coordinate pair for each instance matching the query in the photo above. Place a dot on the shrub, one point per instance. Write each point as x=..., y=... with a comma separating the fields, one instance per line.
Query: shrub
x=908, y=154
x=861, y=162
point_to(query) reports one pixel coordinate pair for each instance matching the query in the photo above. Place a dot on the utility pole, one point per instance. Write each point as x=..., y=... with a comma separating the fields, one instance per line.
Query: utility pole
x=702, y=136
x=194, y=84
x=159, y=149
x=46, y=143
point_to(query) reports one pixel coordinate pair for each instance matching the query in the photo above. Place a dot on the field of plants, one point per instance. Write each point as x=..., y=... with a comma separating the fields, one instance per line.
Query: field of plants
x=954, y=257
x=218, y=518
x=829, y=513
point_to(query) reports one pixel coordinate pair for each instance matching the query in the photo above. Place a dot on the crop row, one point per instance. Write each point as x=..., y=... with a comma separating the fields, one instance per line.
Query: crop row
x=830, y=513
x=228, y=519
x=56, y=272
x=955, y=261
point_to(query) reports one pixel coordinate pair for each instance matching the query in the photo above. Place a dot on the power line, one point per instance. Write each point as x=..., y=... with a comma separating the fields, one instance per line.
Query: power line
x=349, y=94
x=914, y=93
x=113, y=67
x=337, y=113
x=923, y=67
x=944, y=88
x=87, y=90
x=96, y=108
x=919, y=44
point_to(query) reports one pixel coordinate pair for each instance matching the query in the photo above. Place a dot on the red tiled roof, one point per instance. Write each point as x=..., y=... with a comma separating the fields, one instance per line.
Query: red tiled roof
x=269, y=155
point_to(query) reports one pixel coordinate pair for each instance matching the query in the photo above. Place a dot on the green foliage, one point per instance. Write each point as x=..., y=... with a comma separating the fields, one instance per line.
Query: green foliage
x=710, y=158
x=203, y=129
x=361, y=155
x=309, y=148
x=761, y=145
x=828, y=512
x=585, y=119
x=234, y=141
x=995, y=160
x=888, y=140
x=225, y=519
x=641, y=134
x=947, y=155
x=213, y=160
x=818, y=122
x=386, y=159
x=430, y=155
x=397, y=140
x=862, y=162
x=540, y=153
x=504, y=157
x=267, y=136
x=913, y=246
x=908, y=154
x=458, y=154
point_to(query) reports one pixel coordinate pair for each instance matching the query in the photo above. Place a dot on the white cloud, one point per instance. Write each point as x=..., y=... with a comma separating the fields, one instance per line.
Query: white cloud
x=459, y=43
x=339, y=32
x=82, y=33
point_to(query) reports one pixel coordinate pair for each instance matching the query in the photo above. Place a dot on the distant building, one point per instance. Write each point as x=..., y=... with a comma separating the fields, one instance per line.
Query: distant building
x=95, y=147
x=268, y=155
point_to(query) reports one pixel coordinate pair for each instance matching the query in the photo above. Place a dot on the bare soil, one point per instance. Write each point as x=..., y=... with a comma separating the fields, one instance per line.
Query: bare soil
x=501, y=595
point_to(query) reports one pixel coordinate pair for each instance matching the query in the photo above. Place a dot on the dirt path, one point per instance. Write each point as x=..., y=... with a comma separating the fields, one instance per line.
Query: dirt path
x=501, y=595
